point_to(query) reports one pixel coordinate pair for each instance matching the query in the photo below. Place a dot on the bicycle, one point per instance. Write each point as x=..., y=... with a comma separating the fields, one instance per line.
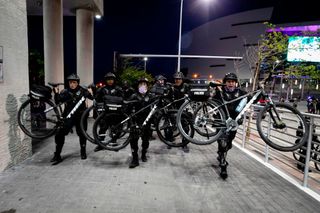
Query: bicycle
x=300, y=154
x=115, y=134
x=86, y=121
x=39, y=117
x=211, y=118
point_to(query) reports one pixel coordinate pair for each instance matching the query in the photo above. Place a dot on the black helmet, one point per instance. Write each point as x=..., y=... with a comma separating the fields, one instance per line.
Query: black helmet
x=110, y=75
x=160, y=77
x=73, y=77
x=143, y=79
x=178, y=75
x=230, y=76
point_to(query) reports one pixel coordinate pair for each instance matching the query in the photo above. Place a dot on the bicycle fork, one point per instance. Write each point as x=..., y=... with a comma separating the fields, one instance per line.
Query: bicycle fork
x=278, y=124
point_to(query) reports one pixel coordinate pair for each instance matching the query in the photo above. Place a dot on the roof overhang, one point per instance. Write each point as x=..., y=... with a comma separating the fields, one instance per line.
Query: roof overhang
x=34, y=7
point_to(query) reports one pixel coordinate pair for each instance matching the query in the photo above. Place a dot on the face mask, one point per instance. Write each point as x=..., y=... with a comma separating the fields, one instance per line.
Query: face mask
x=143, y=89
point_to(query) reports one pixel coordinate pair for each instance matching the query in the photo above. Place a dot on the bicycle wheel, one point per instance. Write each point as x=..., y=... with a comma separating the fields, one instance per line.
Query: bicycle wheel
x=109, y=133
x=167, y=129
x=86, y=123
x=316, y=157
x=277, y=125
x=206, y=118
x=38, y=118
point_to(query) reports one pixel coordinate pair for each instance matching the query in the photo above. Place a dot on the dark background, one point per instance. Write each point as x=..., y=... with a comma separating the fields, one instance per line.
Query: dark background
x=152, y=27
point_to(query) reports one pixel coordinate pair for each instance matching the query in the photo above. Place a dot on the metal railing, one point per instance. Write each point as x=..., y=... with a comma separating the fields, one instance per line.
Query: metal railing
x=306, y=175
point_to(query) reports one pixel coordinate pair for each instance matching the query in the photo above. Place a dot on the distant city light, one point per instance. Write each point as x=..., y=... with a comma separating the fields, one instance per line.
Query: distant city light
x=145, y=59
x=195, y=75
x=98, y=16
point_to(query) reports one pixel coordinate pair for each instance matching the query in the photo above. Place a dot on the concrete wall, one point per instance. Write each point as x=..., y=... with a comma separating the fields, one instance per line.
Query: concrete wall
x=14, y=145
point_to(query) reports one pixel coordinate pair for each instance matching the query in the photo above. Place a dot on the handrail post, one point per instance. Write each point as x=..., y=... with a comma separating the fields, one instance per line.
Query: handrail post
x=307, y=159
x=244, y=129
x=266, y=159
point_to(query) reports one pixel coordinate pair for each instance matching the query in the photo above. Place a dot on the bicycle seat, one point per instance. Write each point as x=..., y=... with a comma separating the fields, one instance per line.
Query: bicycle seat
x=55, y=84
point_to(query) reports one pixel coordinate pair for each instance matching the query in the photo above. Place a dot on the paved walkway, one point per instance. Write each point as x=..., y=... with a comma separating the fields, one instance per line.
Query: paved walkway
x=171, y=181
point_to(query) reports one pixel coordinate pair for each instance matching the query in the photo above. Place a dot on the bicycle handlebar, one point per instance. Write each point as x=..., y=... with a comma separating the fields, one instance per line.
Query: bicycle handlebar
x=216, y=84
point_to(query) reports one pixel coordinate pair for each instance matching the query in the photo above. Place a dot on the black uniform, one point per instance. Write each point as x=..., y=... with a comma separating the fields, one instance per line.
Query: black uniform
x=101, y=95
x=108, y=90
x=178, y=92
x=145, y=133
x=72, y=96
x=225, y=141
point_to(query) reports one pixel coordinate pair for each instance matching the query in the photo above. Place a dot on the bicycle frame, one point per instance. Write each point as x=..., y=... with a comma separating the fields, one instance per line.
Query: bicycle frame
x=71, y=112
x=232, y=124
x=151, y=113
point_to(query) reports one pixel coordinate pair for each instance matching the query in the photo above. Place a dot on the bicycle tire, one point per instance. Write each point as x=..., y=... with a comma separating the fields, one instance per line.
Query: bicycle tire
x=36, y=123
x=110, y=138
x=316, y=158
x=85, y=118
x=211, y=121
x=289, y=122
x=166, y=124
x=295, y=155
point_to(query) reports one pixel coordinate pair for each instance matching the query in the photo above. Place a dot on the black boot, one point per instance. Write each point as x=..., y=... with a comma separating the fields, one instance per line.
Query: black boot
x=83, y=153
x=135, y=160
x=144, y=156
x=223, y=172
x=56, y=159
x=185, y=149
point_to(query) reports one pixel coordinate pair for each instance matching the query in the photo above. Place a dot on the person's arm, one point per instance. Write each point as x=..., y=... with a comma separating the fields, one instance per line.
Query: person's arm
x=61, y=97
x=99, y=95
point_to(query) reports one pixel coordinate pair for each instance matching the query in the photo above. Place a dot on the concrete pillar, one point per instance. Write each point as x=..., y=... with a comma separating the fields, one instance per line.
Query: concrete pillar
x=85, y=45
x=53, y=40
x=15, y=146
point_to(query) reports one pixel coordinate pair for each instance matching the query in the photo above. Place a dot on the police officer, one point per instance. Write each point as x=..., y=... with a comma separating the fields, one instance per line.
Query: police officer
x=110, y=89
x=127, y=90
x=228, y=92
x=179, y=89
x=71, y=95
x=160, y=80
x=144, y=98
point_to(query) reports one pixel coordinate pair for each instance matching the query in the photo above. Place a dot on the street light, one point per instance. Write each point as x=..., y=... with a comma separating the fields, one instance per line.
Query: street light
x=180, y=32
x=145, y=59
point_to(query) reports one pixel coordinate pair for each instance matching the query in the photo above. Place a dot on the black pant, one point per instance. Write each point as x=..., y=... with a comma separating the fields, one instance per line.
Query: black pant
x=224, y=145
x=62, y=132
x=145, y=135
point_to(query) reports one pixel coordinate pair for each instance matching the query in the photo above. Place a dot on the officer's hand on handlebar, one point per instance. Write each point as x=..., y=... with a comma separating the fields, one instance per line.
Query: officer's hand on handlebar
x=56, y=90
x=90, y=91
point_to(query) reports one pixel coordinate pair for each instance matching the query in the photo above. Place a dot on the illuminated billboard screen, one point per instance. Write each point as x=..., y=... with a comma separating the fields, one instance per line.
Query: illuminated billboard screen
x=303, y=48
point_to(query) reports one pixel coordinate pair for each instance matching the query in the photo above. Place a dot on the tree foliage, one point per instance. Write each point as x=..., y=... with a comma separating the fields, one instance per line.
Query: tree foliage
x=270, y=56
x=36, y=67
x=132, y=73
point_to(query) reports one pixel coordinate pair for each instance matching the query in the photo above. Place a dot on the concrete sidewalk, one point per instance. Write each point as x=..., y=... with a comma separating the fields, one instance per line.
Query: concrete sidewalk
x=171, y=181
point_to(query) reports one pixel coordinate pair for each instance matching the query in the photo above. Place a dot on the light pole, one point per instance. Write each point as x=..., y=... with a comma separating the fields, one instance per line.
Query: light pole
x=145, y=59
x=179, y=42
x=180, y=32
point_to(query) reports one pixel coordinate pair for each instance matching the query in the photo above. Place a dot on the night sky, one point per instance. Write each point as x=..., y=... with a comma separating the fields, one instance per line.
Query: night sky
x=152, y=26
